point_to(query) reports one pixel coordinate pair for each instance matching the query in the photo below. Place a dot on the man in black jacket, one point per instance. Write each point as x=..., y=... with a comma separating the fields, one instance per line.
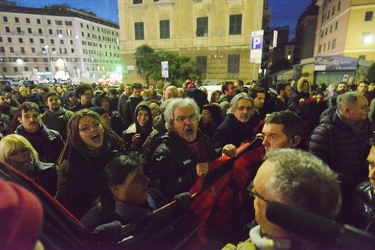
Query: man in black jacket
x=184, y=152
x=342, y=140
x=47, y=142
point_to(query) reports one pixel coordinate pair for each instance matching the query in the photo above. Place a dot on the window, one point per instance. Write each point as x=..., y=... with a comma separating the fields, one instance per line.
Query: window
x=52, y=41
x=7, y=30
x=139, y=31
x=330, y=29
x=61, y=41
x=50, y=31
x=336, y=25
x=20, y=40
x=68, y=23
x=29, y=30
x=5, y=19
x=9, y=39
x=19, y=30
x=27, y=20
x=22, y=50
x=71, y=42
x=324, y=47
x=31, y=40
x=11, y=49
x=15, y=69
x=38, y=21
x=26, y=68
x=333, y=10
x=58, y=22
x=320, y=49
x=233, y=64
x=339, y=6
x=329, y=45
x=4, y=69
x=368, y=16
x=16, y=19
x=32, y=50
x=201, y=62
x=334, y=43
x=40, y=31
x=1, y=39
x=202, y=26
x=164, y=29
x=49, y=22
x=137, y=1
x=2, y=50
x=41, y=40
x=235, y=23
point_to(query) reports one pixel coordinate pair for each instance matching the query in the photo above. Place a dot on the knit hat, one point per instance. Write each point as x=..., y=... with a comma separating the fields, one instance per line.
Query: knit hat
x=21, y=216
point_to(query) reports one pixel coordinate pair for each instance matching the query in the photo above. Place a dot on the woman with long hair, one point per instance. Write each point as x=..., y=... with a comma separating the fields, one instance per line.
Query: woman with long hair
x=90, y=145
x=211, y=119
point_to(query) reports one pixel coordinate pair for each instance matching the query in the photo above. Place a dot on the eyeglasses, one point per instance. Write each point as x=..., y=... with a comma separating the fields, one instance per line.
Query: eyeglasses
x=206, y=113
x=250, y=189
x=182, y=119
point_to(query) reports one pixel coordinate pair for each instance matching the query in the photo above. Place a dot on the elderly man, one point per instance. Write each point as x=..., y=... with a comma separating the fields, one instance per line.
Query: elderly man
x=342, y=140
x=314, y=188
x=184, y=152
x=236, y=128
x=282, y=129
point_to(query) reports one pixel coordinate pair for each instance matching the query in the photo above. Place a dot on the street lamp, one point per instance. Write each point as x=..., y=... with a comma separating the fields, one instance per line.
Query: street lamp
x=49, y=60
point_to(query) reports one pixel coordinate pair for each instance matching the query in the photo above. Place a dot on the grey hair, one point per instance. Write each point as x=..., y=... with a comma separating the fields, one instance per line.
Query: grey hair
x=304, y=181
x=234, y=102
x=179, y=103
x=348, y=98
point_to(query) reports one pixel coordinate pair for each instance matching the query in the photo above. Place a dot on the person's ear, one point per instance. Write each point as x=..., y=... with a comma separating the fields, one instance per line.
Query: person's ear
x=19, y=119
x=115, y=190
x=295, y=141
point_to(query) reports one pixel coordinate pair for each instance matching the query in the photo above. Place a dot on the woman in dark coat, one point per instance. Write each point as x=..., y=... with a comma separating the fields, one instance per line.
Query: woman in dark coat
x=211, y=119
x=18, y=152
x=90, y=145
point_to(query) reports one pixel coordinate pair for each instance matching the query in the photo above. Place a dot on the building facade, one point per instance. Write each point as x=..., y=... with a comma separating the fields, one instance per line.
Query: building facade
x=346, y=28
x=216, y=34
x=56, y=42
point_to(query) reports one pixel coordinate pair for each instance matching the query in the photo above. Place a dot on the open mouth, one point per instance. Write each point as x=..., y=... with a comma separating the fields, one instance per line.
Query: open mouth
x=189, y=131
x=96, y=138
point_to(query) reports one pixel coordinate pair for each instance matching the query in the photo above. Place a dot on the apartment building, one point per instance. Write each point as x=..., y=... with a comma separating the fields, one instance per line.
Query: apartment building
x=346, y=28
x=216, y=34
x=56, y=42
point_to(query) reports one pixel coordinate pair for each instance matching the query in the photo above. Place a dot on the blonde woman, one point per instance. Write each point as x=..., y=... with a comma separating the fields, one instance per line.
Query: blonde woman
x=17, y=151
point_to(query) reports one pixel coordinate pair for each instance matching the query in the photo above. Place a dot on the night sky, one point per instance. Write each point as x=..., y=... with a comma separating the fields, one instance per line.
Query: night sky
x=281, y=14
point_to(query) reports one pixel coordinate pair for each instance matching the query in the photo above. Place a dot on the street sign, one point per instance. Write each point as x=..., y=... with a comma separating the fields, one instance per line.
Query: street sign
x=164, y=69
x=256, y=46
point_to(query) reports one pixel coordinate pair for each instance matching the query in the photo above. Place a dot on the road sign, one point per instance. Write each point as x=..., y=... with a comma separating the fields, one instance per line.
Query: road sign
x=164, y=69
x=256, y=46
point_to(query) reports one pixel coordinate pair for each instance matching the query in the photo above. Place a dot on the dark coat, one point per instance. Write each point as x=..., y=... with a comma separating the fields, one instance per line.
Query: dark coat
x=129, y=109
x=46, y=176
x=232, y=131
x=80, y=182
x=123, y=213
x=57, y=122
x=341, y=147
x=364, y=205
x=173, y=166
x=47, y=142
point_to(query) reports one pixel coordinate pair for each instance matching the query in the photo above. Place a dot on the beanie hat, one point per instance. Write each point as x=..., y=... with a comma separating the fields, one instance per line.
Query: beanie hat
x=21, y=216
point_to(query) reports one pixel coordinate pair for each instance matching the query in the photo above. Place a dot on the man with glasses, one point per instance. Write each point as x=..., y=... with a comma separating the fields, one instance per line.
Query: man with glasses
x=342, y=140
x=184, y=152
x=292, y=178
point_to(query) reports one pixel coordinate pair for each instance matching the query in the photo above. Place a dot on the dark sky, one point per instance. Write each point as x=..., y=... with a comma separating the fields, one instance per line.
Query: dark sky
x=283, y=12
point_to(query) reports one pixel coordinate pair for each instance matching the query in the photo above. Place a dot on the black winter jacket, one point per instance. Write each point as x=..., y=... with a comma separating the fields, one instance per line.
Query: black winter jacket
x=232, y=131
x=173, y=166
x=364, y=205
x=47, y=142
x=343, y=149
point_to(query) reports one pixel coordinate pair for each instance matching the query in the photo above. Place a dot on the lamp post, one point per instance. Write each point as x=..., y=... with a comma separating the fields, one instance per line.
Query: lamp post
x=49, y=60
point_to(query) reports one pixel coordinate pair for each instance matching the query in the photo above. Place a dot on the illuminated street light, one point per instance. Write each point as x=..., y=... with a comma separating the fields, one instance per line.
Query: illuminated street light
x=368, y=39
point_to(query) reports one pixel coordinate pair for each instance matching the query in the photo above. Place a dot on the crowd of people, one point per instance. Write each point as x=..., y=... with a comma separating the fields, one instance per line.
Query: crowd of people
x=111, y=154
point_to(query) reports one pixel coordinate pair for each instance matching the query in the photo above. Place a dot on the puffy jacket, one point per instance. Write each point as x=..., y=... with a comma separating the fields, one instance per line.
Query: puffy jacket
x=364, y=205
x=341, y=147
x=172, y=169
